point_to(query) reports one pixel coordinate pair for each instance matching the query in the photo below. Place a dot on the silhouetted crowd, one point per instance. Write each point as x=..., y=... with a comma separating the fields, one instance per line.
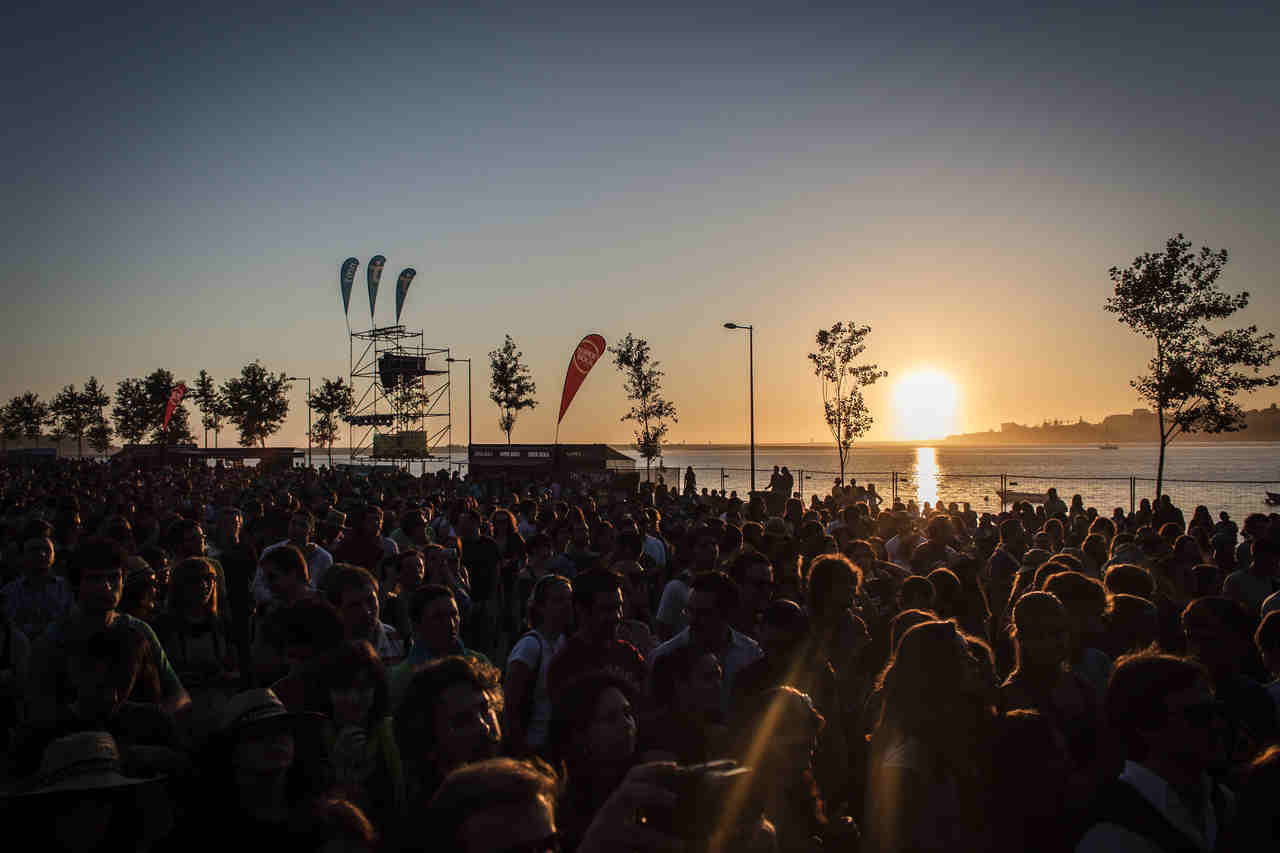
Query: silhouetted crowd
x=198, y=658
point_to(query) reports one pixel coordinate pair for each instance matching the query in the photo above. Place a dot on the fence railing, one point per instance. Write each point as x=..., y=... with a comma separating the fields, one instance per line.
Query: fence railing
x=994, y=491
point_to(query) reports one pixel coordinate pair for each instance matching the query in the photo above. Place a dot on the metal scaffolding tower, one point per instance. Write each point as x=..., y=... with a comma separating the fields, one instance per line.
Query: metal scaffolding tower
x=401, y=386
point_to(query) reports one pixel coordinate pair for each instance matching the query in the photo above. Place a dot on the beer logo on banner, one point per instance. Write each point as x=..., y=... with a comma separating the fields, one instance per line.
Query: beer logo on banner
x=586, y=356
x=346, y=280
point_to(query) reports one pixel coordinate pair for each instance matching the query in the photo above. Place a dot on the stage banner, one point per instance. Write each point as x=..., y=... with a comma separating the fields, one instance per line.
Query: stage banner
x=346, y=280
x=584, y=358
x=374, y=274
x=402, y=288
x=175, y=397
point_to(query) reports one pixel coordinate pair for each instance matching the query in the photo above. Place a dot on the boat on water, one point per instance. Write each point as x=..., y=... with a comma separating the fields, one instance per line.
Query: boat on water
x=1273, y=499
x=1010, y=496
x=1108, y=446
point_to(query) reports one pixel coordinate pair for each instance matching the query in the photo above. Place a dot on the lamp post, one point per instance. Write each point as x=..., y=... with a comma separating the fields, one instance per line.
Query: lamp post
x=308, y=378
x=468, y=361
x=751, y=392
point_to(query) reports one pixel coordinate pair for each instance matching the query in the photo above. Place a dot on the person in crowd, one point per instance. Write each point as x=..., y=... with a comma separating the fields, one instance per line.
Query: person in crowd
x=1031, y=804
x=687, y=725
x=414, y=532
x=96, y=574
x=1133, y=623
x=595, y=645
x=402, y=574
x=593, y=734
x=365, y=546
x=1220, y=638
x=38, y=598
x=450, y=716
x=354, y=592
x=353, y=695
x=482, y=558
x=671, y=617
x=528, y=700
x=1163, y=708
x=713, y=598
x=302, y=530
x=1085, y=601
x=1267, y=639
x=778, y=739
x=1252, y=586
x=927, y=766
x=81, y=800
x=259, y=774
x=139, y=598
x=634, y=627
x=753, y=573
x=436, y=634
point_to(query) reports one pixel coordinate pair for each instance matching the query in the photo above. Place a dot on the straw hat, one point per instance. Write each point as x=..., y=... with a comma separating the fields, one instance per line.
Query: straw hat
x=85, y=761
x=255, y=708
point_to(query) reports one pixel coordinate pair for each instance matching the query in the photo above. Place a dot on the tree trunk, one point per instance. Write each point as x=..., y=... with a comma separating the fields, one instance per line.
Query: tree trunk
x=1164, y=442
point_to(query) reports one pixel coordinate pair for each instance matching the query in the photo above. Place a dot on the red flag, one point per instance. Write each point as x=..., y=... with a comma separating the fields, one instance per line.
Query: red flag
x=175, y=397
x=584, y=358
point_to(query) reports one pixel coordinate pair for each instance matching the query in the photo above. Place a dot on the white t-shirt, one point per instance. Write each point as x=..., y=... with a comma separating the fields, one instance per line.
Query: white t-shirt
x=535, y=650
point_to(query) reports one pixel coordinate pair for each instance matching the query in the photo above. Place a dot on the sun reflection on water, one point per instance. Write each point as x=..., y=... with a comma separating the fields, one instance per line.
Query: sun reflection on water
x=926, y=475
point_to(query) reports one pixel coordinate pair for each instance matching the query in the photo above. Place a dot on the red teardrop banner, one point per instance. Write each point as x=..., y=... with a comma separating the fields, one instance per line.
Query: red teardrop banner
x=584, y=358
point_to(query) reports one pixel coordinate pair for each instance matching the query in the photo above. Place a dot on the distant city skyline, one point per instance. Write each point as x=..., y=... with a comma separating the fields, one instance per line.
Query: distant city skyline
x=184, y=183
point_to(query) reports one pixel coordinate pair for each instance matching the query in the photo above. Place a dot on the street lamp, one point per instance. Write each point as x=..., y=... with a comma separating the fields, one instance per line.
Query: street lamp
x=751, y=392
x=308, y=378
x=451, y=360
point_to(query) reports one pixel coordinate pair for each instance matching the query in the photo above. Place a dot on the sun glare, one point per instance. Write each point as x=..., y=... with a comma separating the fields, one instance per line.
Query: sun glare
x=924, y=404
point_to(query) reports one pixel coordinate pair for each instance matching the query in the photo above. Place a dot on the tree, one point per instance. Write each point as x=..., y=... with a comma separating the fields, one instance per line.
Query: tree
x=510, y=385
x=159, y=386
x=10, y=424
x=30, y=414
x=73, y=415
x=95, y=400
x=131, y=410
x=211, y=405
x=642, y=382
x=257, y=403
x=333, y=402
x=1194, y=374
x=843, y=406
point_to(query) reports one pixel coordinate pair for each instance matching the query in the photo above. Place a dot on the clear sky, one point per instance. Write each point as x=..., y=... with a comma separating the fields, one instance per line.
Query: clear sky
x=180, y=188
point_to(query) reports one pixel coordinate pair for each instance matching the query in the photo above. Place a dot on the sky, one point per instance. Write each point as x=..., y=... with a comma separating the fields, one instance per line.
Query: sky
x=183, y=184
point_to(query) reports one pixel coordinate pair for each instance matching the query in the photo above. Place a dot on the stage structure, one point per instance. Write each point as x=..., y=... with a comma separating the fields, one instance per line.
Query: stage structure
x=403, y=399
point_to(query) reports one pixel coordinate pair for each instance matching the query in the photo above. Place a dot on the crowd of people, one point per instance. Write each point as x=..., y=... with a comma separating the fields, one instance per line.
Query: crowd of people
x=195, y=657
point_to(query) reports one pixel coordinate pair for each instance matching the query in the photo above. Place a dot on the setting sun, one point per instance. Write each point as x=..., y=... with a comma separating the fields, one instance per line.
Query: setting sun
x=924, y=405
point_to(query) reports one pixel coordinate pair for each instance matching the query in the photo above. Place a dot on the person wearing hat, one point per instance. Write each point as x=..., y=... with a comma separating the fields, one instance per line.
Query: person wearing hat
x=81, y=801
x=263, y=766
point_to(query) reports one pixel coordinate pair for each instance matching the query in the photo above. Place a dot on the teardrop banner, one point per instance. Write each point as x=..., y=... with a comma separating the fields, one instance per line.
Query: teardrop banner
x=175, y=397
x=374, y=274
x=346, y=279
x=584, y=358
x=402, y=288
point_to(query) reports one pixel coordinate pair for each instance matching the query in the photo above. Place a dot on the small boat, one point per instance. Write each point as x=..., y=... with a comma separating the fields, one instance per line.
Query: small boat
x=1273, y=499
x=1010, y=496
x=1108, y=447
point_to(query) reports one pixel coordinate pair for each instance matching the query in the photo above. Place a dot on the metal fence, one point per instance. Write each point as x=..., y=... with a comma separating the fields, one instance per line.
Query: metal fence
x=997, y=491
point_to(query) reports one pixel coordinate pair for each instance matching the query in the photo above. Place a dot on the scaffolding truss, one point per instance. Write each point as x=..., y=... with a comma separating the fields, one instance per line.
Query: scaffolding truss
x=403, y=399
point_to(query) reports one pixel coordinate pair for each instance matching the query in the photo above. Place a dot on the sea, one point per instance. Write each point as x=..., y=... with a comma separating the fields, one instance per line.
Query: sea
x=1234, y=477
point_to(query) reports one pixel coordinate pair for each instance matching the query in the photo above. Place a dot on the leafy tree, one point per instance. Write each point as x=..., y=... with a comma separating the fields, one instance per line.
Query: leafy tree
x=73, y=415
x=333, y=402
x=159, y=385
x=1194, y=374
x=95, y=400
x=510, y=385
x=213, y=409
x=844, y=408
x=10, y=424
x=131, y=410
x=99, y=434
x=257, y=403
x=642, y=382
x=30, y=414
